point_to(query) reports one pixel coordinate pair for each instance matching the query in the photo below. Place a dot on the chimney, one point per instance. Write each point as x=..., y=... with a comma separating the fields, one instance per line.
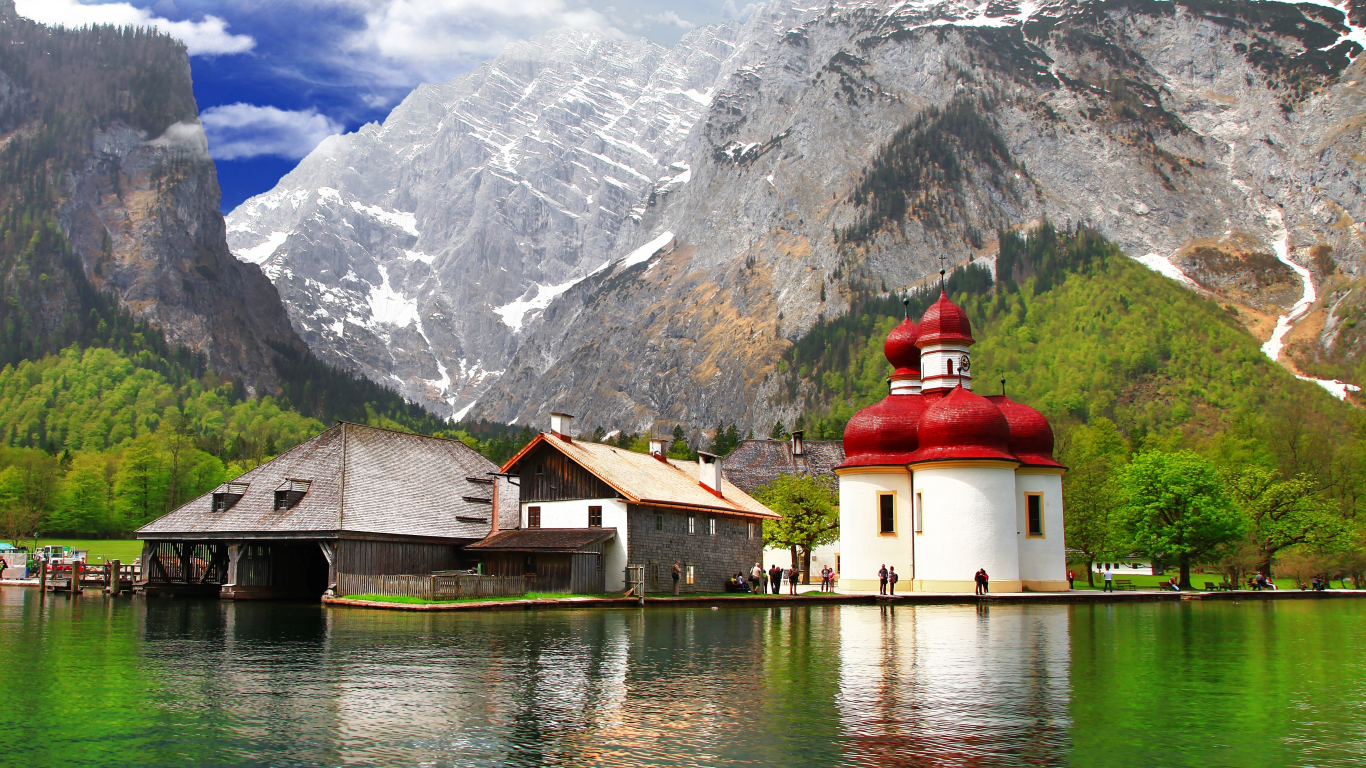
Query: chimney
x=709, y=471
x=559, y=426
x=657, y=447
x=798, y=446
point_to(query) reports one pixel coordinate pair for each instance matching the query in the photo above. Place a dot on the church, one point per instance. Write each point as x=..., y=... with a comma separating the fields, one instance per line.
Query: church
x=939, y=481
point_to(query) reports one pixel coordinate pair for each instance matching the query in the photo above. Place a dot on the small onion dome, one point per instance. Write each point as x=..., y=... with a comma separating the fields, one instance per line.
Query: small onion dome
x=1031, y=437
x=962, y=425
x=944, y=321
x=901, y=350
x=884, y=433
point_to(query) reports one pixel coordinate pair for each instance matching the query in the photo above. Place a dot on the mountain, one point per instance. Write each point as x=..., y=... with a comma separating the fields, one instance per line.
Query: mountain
x=111, y=203
x=838, y=150
x=417, y=250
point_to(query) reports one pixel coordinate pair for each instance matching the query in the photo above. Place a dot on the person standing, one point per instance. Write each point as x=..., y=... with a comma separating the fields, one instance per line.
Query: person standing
x=986, y=582
x=1109, y=580
x=677, y=571
x=882, y=580
x=1070, y=577
x=755, y=576
x=775, y=578
x=892, y=579
x=977, y=581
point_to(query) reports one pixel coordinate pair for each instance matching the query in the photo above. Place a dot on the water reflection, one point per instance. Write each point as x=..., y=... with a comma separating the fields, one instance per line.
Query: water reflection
x=182, y=682
x=955, y=685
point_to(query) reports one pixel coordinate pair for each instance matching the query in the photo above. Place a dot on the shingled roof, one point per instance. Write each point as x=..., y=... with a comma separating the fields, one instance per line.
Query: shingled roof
x=643, y=479
x=544, y=539
x=757, y=462
x=356, y=479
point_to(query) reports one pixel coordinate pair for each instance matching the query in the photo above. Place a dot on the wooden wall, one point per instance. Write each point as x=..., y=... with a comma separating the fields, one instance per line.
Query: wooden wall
x=560, y=478
x=576, y=573
x=375, y=558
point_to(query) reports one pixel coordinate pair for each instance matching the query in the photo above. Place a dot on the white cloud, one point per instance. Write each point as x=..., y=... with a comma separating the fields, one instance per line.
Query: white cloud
x=729, y=11
x=671, y=19
x=237, y=131
x=207, y=37
x=436, y=31
x=186, y=137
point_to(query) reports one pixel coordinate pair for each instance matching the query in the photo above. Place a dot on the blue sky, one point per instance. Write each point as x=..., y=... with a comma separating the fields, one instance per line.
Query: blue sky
x=275, y=77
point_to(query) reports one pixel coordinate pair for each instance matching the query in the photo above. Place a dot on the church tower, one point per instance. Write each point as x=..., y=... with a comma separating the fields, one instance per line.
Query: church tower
x=945, y=335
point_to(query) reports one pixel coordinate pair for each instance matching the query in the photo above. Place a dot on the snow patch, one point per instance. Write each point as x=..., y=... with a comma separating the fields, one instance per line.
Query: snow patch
x=418, y=256
x=645, y=252
x=515, y=313
x=1273, y=346
x=401, y=219
x=389, y=307
x=1163, y=266
x=1335, y=387
x=460, y=414
x=258, y=254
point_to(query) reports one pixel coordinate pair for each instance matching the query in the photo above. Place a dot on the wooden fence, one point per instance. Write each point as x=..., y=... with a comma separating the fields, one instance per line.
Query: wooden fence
x=437, y=586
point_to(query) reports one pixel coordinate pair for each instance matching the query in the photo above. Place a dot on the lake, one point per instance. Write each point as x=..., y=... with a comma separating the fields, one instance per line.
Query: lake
x=132, y=681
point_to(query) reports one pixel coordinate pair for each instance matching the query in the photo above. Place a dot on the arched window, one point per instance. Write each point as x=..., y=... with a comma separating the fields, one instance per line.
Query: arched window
x=949, y=363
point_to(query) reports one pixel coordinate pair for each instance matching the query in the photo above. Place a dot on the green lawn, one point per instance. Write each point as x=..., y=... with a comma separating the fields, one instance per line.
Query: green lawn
x=124, y=550
x=1148, y=581
x=421, y=601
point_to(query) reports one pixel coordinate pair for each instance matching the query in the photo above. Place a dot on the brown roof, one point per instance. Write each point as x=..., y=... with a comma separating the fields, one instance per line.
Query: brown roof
x=544, y=539
x=757, y=462
x=392, y=483
x=643, y=479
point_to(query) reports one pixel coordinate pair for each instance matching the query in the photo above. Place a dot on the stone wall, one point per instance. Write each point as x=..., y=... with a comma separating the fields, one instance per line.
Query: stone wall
x=714, y=558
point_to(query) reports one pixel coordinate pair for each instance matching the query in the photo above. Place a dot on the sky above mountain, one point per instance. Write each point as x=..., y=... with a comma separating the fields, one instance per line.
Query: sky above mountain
x=275, y=77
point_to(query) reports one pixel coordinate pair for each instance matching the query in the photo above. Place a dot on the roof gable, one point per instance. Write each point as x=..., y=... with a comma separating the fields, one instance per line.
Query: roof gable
x=643, y=479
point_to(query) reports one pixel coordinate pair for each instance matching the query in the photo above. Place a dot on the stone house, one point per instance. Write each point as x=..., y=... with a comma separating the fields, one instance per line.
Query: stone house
x=650, y=510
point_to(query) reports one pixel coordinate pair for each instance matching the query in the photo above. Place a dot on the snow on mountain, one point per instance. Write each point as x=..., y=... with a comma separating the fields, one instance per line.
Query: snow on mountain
x=413, y=251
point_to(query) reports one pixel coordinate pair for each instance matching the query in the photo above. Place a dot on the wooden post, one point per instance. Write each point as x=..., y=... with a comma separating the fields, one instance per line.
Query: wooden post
x=42, y=579
x=75, y=577
x=114, y=576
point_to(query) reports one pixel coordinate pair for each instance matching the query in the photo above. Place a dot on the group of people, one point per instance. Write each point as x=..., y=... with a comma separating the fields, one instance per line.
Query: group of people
x=887, y=579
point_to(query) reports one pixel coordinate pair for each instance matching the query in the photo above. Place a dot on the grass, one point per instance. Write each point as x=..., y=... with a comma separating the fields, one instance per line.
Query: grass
x=1148, y=581
x=421, y=601
x=123, y=550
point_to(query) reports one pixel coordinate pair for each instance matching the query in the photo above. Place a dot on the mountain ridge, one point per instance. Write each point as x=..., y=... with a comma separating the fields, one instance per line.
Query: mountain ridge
x=1189, y=133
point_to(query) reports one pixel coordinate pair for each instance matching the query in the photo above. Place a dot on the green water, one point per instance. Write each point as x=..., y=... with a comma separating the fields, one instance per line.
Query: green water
x=119, y=682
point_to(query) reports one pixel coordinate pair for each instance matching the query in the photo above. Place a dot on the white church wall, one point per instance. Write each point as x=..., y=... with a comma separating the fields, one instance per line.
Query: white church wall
x=969, y=522
x=863, y=549
x=1043, y=561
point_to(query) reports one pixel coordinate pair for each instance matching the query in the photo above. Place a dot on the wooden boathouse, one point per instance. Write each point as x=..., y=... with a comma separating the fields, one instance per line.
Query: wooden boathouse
x=353, y=503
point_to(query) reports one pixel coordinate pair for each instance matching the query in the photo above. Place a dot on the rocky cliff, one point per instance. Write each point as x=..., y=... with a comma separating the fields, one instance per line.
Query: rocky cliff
x=815, y=152
x=105, y=163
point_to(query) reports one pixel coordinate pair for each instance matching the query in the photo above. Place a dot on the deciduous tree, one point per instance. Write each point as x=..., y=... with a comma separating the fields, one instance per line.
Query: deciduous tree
x=810, y=513
x=1176, y=507
x=1284, y=513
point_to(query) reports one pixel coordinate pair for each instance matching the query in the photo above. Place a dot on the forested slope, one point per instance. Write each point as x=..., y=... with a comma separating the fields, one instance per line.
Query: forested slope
x=1081, y=332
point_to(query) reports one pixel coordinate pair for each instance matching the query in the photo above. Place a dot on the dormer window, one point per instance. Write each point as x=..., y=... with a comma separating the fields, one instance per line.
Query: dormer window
x=290, y=493
x=226, y=496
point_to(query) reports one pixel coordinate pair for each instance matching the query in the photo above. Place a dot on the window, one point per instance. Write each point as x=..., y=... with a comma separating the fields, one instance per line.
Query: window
x=711, y=526
x=595, y=517
x=692, y=524
x=690, y=575
x=837, y=563
x=1034, y=515
x=659, y=522
x=540, y=469
x=919, y=512
x=886, y=518
x=949, y=363
x=751, y=530
x=281, y=500
x=529, y=565
x=533, y=517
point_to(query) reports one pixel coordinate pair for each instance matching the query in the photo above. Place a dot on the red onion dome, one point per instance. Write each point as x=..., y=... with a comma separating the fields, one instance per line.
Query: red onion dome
x=900, y=347
x=944, y=321
x=962, y=425
x=1031, y=437
x=884, y=433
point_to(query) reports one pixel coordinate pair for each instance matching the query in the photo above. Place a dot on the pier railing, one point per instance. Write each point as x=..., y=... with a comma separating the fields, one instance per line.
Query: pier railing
x=435, y=586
